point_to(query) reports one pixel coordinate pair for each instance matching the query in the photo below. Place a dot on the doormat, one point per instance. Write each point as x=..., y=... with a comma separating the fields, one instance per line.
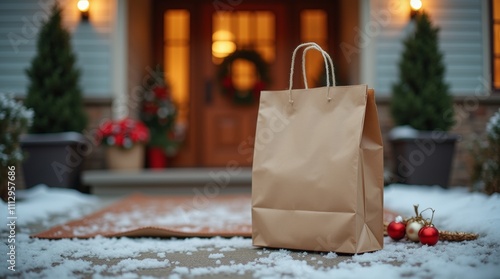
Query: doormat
x=166, y=216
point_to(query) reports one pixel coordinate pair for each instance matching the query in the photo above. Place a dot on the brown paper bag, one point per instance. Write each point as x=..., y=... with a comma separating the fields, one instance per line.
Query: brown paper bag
x=317, y=178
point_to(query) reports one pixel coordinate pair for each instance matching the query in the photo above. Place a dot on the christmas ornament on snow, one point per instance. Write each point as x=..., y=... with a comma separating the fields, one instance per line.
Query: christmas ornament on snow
x=428, y=234
x=414, y=224
x=397, y=229
x=419, y=229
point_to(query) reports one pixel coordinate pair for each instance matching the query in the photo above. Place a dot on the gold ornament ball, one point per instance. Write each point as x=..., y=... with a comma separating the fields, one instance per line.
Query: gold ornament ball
x=412, y=229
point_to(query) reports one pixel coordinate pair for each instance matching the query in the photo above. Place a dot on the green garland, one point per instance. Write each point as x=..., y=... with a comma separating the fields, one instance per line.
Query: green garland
x=226, y=84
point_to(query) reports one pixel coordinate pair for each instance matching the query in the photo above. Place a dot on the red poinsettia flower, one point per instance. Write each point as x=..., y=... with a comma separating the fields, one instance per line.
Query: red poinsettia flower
x=122, y=133
x=105, y=128
x=119, y=139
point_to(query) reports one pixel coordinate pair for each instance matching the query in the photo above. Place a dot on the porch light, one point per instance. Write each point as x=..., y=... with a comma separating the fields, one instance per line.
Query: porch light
x=415, y=6
x=83, y=7
x=223, y=44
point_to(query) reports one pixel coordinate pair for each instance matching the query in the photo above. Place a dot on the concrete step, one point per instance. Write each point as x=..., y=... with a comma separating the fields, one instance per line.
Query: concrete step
x=188, y=181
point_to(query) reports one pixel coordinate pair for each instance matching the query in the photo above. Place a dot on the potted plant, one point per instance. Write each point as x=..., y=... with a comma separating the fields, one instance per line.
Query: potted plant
x=486, y=158
x=423, y=151
x=159, y=113
x=125, y=139
x=14, y=120
x=55, y=146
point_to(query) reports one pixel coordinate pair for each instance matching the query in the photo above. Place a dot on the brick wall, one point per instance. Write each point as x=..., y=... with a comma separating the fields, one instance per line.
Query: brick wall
x=97, y=110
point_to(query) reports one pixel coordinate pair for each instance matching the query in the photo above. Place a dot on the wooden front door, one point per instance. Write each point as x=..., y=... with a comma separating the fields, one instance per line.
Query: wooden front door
x=218, y=130
x=228, y=127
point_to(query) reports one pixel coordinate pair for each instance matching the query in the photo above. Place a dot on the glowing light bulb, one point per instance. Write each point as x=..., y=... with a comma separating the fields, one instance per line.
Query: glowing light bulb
x=415, y=4
x=83, y=5
x=223, y=44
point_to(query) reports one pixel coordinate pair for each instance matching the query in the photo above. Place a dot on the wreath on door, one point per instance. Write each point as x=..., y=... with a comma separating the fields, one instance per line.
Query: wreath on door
x=227, y=84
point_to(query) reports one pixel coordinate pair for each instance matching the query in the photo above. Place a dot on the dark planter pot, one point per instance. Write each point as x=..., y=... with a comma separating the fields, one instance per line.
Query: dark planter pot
x=54, y=159
x=424, y=160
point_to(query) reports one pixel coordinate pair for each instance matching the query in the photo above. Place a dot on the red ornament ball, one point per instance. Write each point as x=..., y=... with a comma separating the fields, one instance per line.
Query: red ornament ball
x=396, y=230
x=428, y=235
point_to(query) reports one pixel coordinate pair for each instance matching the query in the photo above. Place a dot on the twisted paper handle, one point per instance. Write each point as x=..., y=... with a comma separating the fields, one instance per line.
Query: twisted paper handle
x=326, y=58
x=327, y=74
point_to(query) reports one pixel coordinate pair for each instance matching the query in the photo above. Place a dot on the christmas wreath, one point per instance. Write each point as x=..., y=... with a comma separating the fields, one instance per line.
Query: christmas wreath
x=226, y=81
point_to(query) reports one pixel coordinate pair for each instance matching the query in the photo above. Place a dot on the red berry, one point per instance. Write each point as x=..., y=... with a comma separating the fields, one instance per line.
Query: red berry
x=396, y=230
x=428, y=235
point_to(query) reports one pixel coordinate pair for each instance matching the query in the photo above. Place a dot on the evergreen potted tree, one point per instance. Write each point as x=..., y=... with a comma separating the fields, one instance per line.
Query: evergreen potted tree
x=55, y=146
x=159, y=113
x=486, y=158
x=421, y=102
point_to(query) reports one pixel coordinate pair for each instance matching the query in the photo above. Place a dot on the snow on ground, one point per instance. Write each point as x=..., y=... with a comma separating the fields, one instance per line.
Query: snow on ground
x=40, y=202
x=456, y=209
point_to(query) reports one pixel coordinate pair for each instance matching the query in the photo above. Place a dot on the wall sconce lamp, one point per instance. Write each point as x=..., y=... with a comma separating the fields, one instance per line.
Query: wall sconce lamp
x=83, y=7
x=415, y=6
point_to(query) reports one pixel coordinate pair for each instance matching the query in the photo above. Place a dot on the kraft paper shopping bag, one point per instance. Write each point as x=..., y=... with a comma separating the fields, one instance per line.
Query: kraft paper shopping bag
x=317, y=177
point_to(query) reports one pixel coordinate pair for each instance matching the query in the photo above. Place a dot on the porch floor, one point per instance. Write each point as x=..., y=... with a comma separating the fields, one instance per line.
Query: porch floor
x=183, y=181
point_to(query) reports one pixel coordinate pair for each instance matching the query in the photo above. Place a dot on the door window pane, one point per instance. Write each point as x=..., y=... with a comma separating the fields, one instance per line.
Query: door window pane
x=176, y=53
x=313, y=28
x=243, y=30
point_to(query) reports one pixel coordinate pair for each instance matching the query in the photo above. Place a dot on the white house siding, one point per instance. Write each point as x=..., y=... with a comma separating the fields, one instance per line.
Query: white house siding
x=463, y=41
x=92, y=42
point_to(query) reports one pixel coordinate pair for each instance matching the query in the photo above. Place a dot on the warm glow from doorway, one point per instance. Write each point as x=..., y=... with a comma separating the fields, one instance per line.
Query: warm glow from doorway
x=83, y=5
x=243, y=74
x=177, y=59
x=223, y=44
x=415, y=4
x=222, y=49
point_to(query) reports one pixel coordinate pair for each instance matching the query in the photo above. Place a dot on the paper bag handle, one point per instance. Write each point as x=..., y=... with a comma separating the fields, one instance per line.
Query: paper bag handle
x=327, y=74
x=327, y=60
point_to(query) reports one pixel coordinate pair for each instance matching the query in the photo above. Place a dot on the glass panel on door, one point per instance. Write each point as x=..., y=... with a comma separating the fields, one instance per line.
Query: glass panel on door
x=176, y=53
x=313, y=28
x=243, y=30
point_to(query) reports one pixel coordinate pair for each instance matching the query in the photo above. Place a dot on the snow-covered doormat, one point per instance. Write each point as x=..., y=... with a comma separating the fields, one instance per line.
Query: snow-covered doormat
x=165, y=216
